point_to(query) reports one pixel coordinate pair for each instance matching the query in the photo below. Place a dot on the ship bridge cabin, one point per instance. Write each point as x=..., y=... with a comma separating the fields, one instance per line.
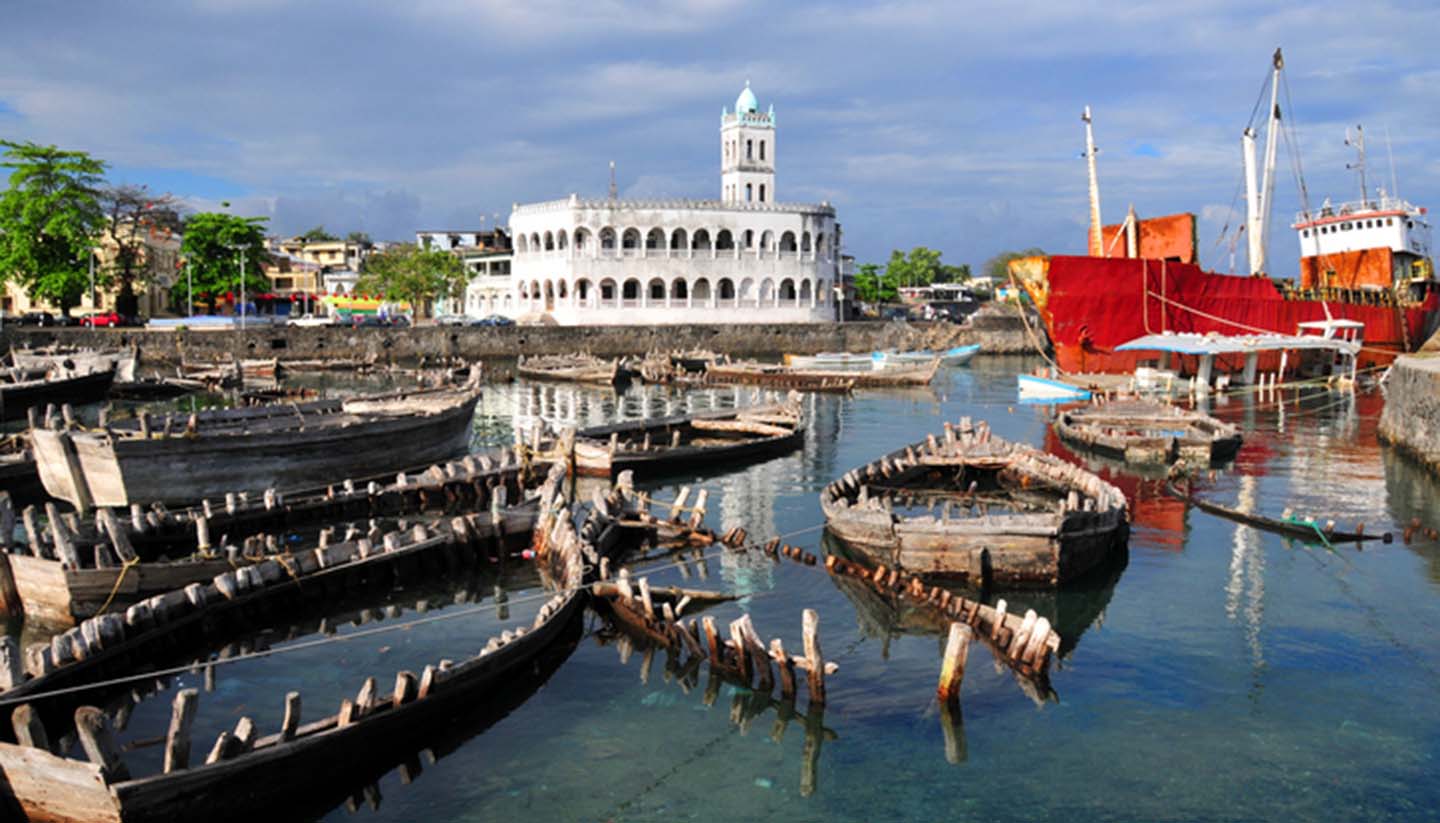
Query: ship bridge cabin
x=1376, y=244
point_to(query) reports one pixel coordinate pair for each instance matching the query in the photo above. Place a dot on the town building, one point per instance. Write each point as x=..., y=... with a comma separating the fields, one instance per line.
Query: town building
x=156, y=272
x=746, y=257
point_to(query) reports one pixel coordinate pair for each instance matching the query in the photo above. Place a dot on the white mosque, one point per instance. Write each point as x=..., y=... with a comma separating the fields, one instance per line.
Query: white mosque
x=745, y=258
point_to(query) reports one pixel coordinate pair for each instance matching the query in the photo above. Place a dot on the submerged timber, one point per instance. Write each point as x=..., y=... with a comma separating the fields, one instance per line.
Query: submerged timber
x=281, y=446
x=246, y=773
x=21, y=392
x=761, y=374
x=1143, y=432
x=1009, y=514
x=578, y=368
x=68, y=572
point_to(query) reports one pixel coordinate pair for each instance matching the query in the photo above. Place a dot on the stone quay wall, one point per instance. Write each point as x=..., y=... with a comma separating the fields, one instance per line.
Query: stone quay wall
x=997, y=334
x=1411, y=420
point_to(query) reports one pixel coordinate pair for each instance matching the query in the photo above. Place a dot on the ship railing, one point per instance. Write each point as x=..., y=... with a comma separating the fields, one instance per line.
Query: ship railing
x=1357, y=207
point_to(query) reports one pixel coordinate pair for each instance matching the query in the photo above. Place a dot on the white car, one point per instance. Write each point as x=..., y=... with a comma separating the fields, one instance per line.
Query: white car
x=313, y=320
x=455, y=320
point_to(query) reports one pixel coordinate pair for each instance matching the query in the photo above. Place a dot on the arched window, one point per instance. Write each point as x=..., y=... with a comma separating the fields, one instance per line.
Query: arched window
x=767, y=242
x=560, y=290
x=822, y=292
x=747, y=291
x=749, y=193
x=607, y=239
x=656, y=287
x=701, y=293
x=749, y=149
x=822, y=247
x=805, y=290
x=805, y=242
x=549, y=241
x=749, y=237
x=762, y=157
x=787, y=243
x=582, y=239
x=678, y=240
x=535, y=241
x=678, y=289
x=767, y=292
x=535, y=290
x=702, y=240
x=609, y=293
x=630, y=292
x=582, y=291
x=762, y=192
x=727, y=290
x=724, y=240
x=560, y=239
x=787, y=291
x=630, y=241
x=655, y=240
x=520, y=245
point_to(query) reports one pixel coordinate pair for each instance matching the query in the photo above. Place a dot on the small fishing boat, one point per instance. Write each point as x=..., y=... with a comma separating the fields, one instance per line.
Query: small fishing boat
x=247, y=774
x=1307, y=529
x=778, y=376
x=1035, y=389
x=76, y=360
x=1145, y=432
x=1008, y=513
x=19, y=392
x=835, y=361
x=575, y=368
x=956, y=356
x=684, y=442
x=281, y=446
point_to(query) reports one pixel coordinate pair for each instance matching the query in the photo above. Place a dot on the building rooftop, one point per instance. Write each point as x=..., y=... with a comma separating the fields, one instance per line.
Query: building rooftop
x=576, y=202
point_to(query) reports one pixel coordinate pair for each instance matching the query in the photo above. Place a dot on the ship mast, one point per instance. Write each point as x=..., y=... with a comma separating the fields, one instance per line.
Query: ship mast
x=1096, y=249
x=1359, y=164
x=1258, y=193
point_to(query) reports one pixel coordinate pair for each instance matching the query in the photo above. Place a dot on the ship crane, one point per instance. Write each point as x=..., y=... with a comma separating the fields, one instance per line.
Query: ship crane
x=1258, y=193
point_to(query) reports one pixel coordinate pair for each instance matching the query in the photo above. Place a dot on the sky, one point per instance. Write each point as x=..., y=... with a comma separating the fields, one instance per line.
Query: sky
x=953, y=125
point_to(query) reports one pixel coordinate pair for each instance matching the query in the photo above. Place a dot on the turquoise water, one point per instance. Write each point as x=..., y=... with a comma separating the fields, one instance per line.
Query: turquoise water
x=1216, y=673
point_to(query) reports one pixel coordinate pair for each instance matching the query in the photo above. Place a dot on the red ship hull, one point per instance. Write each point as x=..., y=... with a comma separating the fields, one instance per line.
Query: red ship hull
x=1090, y=305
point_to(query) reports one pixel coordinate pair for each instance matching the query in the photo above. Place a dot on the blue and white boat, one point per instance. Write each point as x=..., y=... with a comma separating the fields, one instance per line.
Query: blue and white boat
x=1035, y=389
x=956, y=356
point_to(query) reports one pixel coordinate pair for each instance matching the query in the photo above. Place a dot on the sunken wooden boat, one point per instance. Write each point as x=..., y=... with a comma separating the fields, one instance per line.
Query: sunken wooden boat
x=1307, y=529
x=1008, y=514
x=68, y=570
x=18, y=476
x=812, y=379
x=247, y=774
x=576, y=368
x=1144, y=432
x=282, y=446
x=77, y=360
x=19, y=392
x=683, y=442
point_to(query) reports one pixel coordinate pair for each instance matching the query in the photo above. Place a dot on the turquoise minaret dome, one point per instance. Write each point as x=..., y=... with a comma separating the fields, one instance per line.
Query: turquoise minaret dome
x=746, y=102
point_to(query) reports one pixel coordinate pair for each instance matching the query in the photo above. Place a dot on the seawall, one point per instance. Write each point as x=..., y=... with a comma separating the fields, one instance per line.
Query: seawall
x=1411, y=420
x=997, y=333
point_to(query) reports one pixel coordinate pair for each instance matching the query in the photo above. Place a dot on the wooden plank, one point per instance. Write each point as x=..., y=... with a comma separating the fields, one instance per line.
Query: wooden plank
x=47, y=787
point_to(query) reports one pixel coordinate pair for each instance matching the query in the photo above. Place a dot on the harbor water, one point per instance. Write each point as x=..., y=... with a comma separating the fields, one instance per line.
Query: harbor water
x=1215, y=673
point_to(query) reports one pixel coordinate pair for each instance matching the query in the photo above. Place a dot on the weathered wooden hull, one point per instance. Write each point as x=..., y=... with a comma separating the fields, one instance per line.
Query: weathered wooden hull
x=1149, y=433
x=177, y=470
x=122, y=362
x=15, y=398
x=1043, y=549
x=820, y=379
x=593, y=457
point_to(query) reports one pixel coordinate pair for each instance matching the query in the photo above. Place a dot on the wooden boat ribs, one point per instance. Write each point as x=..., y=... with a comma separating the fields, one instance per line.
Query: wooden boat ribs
x=1144, y=432
x=1007, y=513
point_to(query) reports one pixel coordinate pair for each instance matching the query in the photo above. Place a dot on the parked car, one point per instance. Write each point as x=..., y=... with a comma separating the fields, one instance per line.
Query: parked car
x=36, y=318
x=106, y=319
x=399, y=320
x=314, y=320
x=496, y=320
x=454, y=320
x=367, y=321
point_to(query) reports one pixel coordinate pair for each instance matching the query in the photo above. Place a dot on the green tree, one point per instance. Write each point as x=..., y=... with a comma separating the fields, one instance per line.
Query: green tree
x=406, y=273
x=131, y=214
x=49, y=217
x=360, y=238
x=871, y=286
x=995, y=266
x=212, y=245
x=318, y=235
x=920, y=267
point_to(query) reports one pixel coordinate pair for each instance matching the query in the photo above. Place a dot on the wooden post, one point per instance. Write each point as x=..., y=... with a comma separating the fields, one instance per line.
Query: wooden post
x=12, y=663
x=952, y=726
x=406, y=688
x=292, y=716
x=29, y=730
x=33, y=535
x=786, y=667
x=218, y=751
x=7, y=521
x=645, y=600
x=64, y=545
x=678, y=507
x=119, y=537
x=742, y=653
x=697, y=518
x=816, y=662
x=96, y=737
x=952, y=669
x=177, y=740
x=712, y=642
x=814, y=737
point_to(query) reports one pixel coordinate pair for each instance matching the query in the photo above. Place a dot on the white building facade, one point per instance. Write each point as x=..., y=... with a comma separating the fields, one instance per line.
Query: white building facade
x=744, y=258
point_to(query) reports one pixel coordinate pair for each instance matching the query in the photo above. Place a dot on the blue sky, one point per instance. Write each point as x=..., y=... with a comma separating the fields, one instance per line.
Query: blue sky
x=951, y=125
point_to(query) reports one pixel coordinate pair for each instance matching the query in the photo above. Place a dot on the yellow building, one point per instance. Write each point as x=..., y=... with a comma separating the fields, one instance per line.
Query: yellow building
x=155, y=275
